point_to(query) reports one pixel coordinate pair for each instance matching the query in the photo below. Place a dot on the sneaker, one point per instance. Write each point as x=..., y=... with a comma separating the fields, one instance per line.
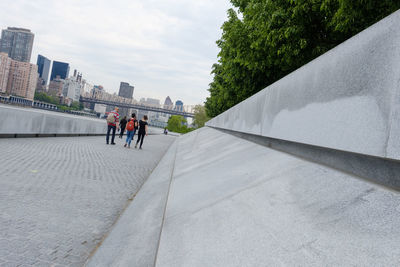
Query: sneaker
x=140, y=148
x=113, y=143
x=135, y=146
x=125, y=145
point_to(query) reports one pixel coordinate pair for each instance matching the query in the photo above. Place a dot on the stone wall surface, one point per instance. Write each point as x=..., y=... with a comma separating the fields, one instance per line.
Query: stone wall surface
x=235, y=203
x=24, y=121
x=347, y=99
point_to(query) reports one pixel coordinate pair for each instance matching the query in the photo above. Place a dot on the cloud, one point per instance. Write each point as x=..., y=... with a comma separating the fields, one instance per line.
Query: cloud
x=162, y=47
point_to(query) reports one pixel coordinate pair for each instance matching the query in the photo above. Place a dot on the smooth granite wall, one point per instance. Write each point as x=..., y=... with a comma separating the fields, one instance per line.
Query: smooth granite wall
x=235, y=203
x=347, y=99
x=34, y=122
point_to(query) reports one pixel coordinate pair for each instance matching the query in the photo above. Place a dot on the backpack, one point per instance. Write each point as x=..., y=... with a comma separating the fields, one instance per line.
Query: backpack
x=130, y=126
x=111, y=118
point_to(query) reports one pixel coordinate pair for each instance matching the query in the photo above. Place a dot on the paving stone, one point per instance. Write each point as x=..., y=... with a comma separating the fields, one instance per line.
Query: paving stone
x=60, y=196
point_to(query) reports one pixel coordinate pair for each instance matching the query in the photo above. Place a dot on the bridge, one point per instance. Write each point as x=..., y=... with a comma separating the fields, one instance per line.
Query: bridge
x=304, y=173
x=136, y=106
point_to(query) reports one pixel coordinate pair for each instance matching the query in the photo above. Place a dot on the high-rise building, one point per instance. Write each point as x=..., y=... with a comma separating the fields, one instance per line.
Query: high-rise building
x=72, y=89
x=126, y=90
x=179, y=105
x=5, y=64
x=168, y=103
x=61, y=69
x=17, y=43
x=43, y=68
x=22, y=79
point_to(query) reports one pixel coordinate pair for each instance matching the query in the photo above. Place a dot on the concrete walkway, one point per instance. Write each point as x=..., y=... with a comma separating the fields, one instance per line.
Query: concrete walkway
x=60, y=196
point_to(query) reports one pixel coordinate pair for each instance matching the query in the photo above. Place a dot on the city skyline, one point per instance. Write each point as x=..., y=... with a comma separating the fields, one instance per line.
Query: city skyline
x=162, y=47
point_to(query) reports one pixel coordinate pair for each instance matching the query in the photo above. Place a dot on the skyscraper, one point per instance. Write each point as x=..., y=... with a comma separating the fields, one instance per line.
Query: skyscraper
x=179, y=105
x=17, y=43
x=61, y=69
x=168, y=103
x=126, y=90
x=43, y=68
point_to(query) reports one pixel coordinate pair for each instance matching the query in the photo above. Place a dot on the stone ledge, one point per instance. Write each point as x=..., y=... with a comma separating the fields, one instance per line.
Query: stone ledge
x=347, y=99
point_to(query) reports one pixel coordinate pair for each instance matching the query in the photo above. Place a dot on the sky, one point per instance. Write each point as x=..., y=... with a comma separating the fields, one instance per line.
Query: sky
x=162, y=47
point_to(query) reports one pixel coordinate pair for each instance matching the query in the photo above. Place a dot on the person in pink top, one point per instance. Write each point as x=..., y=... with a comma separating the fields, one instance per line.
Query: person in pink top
x=112, y=124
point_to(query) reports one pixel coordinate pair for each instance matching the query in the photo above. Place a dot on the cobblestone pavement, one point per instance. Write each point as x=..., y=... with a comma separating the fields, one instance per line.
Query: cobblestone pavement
x=60, y=196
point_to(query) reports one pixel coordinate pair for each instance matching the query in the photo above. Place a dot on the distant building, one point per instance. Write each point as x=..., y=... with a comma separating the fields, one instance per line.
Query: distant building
x=179, y=105
x=22, y=79
x=150, y=102
x=17, y=43
x=153, y=102
x=61, y=69
x=43, y=68
x=86, y=88
x=40, y=86
x=126, y=90
x=71, y=89
x=56, y=87
x=5, y=64
x=99, y=108
x=168, y=103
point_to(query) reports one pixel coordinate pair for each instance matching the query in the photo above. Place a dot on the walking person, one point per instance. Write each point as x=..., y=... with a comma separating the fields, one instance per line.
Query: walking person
x=143, y=129
x=130, y=130
x=122, y=125
x=112, y=125
x=136, y=124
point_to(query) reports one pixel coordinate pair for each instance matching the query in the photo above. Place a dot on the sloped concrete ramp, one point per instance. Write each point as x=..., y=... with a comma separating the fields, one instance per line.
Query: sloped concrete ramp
x=232, y=202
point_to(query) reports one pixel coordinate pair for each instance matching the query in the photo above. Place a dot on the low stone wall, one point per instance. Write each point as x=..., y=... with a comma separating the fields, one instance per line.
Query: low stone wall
x=17, y=121
x=347, y=99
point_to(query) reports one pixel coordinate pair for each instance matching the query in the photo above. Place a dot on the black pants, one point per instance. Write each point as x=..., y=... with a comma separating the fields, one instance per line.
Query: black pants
x=140, y=138
x=121, y=133
x=113, y=128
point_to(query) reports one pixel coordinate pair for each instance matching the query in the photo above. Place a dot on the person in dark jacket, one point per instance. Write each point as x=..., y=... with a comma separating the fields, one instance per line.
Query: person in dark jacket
x=143, y=129
x=122, y=125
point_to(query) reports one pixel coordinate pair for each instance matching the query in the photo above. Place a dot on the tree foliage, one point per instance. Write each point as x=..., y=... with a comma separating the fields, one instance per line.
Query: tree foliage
x=177, y=124
x=264, y=40
x=43, y=97
x=200, y=116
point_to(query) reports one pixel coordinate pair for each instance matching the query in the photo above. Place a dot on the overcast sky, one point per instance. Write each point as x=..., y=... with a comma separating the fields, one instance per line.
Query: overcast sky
x=162, y=47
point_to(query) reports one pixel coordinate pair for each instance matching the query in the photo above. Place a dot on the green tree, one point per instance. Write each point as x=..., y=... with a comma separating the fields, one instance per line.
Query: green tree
x=265, y=40
x=200, y=116
x=76, y=105
x=43, y=97
x=175, y=123
x=178, y=124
